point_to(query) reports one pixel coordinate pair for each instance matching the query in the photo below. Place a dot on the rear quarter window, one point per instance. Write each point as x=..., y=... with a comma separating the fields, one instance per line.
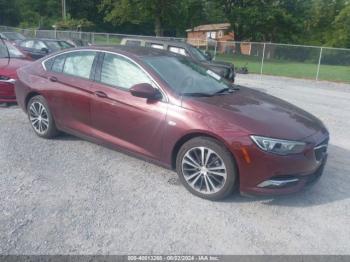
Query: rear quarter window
x=58, y=63
x=48, y=64
x=55, y=64
x=178, y=50
x=154, y=45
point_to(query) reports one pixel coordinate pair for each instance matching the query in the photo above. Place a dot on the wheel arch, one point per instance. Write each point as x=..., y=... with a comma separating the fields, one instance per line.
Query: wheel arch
x=29, y=96
x=192, y=135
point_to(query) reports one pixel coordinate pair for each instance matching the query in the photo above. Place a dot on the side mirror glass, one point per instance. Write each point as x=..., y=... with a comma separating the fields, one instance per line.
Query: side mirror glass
x=44, y=50
x=145, y=90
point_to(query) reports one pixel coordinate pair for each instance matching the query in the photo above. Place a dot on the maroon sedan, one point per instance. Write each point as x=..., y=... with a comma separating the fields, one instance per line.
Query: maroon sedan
x=10, y=60
x=177, y=113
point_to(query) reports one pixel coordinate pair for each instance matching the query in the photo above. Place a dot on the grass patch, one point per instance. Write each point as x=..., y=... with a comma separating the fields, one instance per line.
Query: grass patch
x=103, y=40
x=289, y=68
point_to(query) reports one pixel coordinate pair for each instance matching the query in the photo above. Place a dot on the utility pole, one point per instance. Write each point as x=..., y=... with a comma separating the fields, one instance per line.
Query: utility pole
x=64, y=10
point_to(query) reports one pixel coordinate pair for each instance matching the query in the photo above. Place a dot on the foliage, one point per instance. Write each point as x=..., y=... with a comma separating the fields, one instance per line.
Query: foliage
x=317, y=22
x=74, y=24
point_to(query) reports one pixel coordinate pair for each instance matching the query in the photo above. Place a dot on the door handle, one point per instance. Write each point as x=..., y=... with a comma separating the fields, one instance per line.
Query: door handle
x=100, y=94
x=53, y=79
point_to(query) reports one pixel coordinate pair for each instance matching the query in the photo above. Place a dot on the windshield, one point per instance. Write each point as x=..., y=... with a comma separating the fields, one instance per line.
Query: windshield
x=197, y=54
x=53, y=45
x=186, y=77
x=14, y=52
x=13, y=36
x=65, y=45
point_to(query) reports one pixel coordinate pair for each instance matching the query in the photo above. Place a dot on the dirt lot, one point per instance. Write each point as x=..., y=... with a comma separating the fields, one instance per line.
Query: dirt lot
x=68, y=196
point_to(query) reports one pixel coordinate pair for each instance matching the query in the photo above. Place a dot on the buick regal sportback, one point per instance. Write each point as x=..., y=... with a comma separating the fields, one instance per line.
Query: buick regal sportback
x=170, y=110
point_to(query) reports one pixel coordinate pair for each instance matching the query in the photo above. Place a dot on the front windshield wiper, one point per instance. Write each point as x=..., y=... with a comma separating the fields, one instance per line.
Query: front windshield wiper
x=227, y=89
x=196, y=94
x=224, y=90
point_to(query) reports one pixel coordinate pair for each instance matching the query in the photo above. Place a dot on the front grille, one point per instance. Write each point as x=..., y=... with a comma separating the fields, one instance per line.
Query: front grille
x=321, y=150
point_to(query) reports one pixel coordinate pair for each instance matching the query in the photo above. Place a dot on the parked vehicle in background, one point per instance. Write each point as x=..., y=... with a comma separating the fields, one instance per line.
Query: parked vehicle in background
x=174, y=111
x=10, y=60
x=224, y=69
x=78, y=42
x=13, y=37
x=38, y=48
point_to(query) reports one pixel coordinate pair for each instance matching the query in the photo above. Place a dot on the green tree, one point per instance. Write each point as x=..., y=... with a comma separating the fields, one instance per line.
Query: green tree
x=340, y=35
x=160, y=12
x=264, y=20
x=8, y=13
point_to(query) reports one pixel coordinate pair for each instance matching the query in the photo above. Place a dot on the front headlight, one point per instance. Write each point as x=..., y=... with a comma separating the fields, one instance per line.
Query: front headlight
x=278, y=146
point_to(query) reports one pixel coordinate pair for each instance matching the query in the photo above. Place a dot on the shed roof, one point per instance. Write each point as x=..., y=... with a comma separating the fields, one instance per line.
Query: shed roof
x=210, y=27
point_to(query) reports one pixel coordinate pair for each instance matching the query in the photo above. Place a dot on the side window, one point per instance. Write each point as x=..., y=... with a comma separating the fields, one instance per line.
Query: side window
x=58, y=63
x=79, y=63
x=39, y=45
x=28, y=44
x=120, y=72
x=133, y=43
x=153, y=45
x=178, y=50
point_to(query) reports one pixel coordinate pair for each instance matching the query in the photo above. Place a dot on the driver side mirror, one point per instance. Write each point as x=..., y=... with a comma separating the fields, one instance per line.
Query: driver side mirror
x=208, y=55
x=44, y=50
x=145, y=90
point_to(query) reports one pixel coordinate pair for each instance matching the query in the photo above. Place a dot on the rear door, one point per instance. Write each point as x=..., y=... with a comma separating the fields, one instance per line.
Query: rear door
x=70, y=93
x=134, y=123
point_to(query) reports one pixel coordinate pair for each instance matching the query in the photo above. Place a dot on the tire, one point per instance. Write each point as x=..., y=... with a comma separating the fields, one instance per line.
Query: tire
x=208, y=185
x=40, y=118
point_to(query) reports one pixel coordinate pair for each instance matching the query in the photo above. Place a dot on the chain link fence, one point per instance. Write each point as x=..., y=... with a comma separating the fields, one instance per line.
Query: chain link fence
x=310, y=62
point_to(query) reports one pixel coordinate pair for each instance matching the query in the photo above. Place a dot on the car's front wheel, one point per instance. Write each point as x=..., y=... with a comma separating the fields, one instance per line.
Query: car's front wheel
x=206, y=168
x=41, y=118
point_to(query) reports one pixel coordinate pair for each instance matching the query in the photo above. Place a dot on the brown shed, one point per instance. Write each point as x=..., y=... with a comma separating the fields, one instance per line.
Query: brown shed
x=199, y=35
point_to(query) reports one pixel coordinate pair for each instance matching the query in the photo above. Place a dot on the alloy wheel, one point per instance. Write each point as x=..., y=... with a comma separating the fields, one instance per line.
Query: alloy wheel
x=204, y=170
x=39, y=117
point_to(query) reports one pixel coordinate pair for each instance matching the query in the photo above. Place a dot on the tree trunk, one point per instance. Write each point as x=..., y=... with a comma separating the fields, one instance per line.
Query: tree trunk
x=158, y=27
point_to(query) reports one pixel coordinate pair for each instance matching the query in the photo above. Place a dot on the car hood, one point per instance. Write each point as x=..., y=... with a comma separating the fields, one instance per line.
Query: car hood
x=260, y=114
x=218, y=64
x=9, y=67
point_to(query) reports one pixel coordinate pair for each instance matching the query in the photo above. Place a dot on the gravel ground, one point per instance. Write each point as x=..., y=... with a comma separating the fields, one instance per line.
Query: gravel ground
x=69, y=196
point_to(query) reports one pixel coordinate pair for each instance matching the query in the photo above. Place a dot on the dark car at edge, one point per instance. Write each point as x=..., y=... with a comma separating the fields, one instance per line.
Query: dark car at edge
x=224, y=69
x=39, y=47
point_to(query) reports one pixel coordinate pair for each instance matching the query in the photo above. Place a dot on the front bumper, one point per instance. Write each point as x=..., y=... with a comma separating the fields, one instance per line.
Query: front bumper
x=269, y=174
x=294, y=183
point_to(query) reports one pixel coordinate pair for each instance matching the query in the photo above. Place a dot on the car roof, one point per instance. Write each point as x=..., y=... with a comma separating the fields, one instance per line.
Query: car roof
x=135, y=51
x=158, y=40
x=44, y=39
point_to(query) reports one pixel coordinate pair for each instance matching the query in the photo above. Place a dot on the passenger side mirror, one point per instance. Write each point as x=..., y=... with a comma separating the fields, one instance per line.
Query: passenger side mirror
x=145, y=90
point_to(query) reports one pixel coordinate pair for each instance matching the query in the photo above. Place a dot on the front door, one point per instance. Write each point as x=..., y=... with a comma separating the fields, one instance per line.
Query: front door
x=134, y=123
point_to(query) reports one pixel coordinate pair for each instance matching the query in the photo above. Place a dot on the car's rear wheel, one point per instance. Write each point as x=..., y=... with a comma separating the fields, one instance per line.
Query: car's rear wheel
x=206, y=168
x=40, y=117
